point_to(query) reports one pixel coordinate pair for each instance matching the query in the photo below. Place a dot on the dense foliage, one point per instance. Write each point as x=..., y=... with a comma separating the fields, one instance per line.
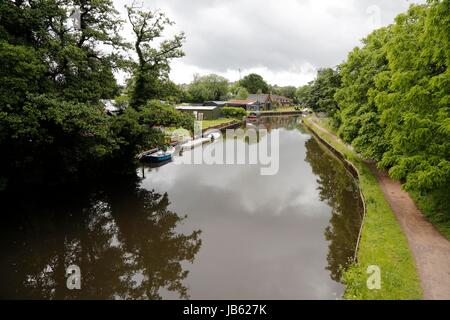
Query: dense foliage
x=393, y=97
x=213, y=87
x=242, y=94
x=400, y=110
x=393, y=104
x=151, y=72
x=231, y=112
x=254, y=83
x=54, y=71
x=288, y=91
x=208, y=88
x=319, y=94
x=360, y=116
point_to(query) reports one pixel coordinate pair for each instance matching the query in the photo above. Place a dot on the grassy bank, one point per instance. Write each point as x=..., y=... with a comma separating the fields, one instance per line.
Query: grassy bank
x=280, y=109
x=206, y=124
x=212, y=123
x=382, y=242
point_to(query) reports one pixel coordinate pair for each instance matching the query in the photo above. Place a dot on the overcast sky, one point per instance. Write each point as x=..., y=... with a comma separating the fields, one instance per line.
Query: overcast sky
x=283, y=40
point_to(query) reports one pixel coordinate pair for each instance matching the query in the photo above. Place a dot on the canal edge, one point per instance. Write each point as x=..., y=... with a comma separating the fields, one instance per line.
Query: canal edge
x=389, y=251
x=351, y=168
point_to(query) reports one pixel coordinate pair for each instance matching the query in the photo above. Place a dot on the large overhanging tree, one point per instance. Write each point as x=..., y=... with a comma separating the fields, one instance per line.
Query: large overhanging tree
x=152, y=69
x=53, y=75
x=55, y=70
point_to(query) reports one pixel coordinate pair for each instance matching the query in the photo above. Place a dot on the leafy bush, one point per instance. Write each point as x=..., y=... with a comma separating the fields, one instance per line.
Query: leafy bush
x=230, y=112
x=393, y=98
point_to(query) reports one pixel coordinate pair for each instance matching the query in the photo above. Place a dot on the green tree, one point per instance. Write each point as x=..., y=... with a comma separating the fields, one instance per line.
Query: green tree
x=242, y=94
x=172, y=92
x=394, y=97
x=140, y=130
x=233, y=89
x=287, y=91
x=303, y=95
x=414, y=98
x=359, y=115
x=51, y=122
x=323, y=90
x=209, y=87
x=53, y=128
x=151, y=71
x=319, y=94
x=231, y=112
x=253, y=83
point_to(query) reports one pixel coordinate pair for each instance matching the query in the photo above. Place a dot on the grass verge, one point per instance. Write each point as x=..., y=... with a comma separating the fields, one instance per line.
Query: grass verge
x=382, y=243
x=279, y=109
x=212, y=123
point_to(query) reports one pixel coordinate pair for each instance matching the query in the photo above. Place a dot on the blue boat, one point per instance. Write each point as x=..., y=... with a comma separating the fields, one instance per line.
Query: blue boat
x=159, y=156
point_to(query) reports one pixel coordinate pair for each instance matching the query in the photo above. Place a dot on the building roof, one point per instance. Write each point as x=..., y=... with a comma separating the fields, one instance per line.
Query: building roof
x=196, y=108
x=263, y=97
x=219, y=103
x=246, y=101
x=260, y=97
x=277, y=97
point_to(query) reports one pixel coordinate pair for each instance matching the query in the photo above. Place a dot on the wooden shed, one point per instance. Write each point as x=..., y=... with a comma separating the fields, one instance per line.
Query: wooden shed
x=202, y=112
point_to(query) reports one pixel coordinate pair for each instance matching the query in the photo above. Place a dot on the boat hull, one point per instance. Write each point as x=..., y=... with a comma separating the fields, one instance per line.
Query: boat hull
x=159, y=157
x=194, y=143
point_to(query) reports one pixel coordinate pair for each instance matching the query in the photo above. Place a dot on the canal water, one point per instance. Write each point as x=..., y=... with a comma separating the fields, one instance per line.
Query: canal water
x=191, y=231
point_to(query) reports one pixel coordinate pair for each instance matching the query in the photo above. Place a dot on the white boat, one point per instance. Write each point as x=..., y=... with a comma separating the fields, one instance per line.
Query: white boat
x=194, y=143
x=159, y=155
x=213, y=136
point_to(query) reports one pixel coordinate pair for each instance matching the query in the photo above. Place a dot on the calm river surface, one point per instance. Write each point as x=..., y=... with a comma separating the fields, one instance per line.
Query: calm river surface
x=191, y=231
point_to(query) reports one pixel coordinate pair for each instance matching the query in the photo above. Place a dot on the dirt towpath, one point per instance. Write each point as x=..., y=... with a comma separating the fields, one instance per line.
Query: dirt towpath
x=430, y=249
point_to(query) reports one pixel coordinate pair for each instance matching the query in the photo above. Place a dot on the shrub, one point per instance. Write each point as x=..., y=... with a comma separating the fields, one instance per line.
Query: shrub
x=230, y=112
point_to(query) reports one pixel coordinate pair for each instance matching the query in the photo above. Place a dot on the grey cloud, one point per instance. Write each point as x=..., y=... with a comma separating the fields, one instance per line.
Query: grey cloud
x=278, y=35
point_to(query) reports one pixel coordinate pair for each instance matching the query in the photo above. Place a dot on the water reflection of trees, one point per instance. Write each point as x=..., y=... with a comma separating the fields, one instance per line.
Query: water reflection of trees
x=285, y=122
x=123, y=238
x=268, y=124
x=338, y=190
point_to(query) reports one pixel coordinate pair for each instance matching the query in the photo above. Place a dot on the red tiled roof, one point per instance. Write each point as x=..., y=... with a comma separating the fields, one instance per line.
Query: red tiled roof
x=241, y=101
x=262, y=97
